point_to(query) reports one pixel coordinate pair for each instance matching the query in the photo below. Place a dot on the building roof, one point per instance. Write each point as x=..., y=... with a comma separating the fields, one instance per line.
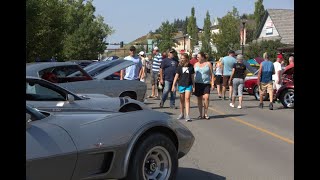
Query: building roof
x=283, y=20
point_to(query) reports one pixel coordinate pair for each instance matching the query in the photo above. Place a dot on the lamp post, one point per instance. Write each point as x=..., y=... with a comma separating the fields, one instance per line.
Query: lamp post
x=184, y=41
x=243, y=20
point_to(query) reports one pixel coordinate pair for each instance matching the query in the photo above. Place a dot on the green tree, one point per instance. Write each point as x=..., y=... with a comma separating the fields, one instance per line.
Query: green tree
x=86, y=33
x=229, y=33
x=167, y=32
x=66, y=29
x=192, y=29
x=206, y=36
x=185, y=26
x=258, y=12
x=256, y=49
x=45, y=24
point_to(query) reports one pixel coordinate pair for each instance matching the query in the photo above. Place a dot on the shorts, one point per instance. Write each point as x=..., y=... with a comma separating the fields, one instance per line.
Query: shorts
x=182, y=89
x=238, y=87
x=154, y=77
x=218, y=80
x=201, y=89
x=266, y=87
x=226, y=81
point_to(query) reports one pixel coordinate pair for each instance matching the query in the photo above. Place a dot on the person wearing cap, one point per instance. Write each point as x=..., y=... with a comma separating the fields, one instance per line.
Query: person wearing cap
x=132, y=72
x=264, y=80
x=157, y=59
x=227, y=66
x=194, y=59
x=167, y=73
x=143, y=72
x=277, y=80
x=237, y=76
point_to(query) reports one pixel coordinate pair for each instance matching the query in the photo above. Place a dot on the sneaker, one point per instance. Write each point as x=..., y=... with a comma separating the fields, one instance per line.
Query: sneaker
x=173, y=107
x=225, y=98
x=161, y=104
x=231, y=105
x=219, y=96
x=261, y=105
x=181, y=116
x=271, y=106
x=239, y=107
x=230, y=99
x=188, y=118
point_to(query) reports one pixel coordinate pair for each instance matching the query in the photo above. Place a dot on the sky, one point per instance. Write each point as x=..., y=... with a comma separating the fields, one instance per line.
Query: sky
x=132, y=19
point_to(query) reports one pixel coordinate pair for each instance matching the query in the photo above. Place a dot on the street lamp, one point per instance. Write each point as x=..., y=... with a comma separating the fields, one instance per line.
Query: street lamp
x=243, y=20
x=184, y=41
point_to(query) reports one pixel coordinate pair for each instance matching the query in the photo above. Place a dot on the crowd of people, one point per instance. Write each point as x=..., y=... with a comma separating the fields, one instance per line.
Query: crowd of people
x=197, y=76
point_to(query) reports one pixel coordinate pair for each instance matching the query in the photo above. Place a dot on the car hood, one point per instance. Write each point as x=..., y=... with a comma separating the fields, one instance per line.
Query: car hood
x=114, y=69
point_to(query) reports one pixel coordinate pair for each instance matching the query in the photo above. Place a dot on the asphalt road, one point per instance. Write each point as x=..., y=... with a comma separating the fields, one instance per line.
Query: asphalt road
x=237, y=144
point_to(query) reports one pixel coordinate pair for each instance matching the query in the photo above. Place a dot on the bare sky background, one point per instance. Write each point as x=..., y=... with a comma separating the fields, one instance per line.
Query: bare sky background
x=133, y=19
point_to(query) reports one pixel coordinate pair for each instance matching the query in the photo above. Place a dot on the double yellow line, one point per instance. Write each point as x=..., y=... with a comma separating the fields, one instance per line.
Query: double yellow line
x=253, y=126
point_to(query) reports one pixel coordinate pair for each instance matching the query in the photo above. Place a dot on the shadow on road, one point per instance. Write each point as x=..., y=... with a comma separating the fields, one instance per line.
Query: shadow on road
x=192, y=174
x=225, y=115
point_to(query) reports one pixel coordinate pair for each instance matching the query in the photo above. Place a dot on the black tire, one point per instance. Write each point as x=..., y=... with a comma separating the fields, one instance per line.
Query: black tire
x=287, y=98
x=142, y=161
x=257, y=94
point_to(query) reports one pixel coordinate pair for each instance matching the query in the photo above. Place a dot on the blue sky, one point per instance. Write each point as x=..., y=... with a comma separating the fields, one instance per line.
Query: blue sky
x=132, y=19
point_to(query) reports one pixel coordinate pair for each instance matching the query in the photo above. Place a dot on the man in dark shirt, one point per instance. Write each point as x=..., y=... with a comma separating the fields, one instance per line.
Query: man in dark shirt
x=167, y=73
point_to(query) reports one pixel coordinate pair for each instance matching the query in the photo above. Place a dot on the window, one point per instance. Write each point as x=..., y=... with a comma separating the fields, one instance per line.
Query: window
x=37, y=92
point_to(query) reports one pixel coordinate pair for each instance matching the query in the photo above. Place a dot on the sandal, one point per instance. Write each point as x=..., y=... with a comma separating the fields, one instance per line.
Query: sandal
x=200, y=117
x=151, y=96
x=206, y=117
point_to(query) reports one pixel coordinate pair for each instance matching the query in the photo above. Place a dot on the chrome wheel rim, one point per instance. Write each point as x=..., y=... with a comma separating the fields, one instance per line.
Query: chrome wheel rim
x=157, y=164
x=289, y=99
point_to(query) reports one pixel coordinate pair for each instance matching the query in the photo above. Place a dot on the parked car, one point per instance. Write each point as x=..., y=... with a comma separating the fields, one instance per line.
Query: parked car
x=72, y=77
x=109, y=58
x=47, y=96
x=286, y=92
x=142, y=144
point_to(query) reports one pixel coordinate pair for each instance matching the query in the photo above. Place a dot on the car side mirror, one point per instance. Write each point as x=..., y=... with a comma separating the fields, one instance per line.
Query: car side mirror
x=70, y=98
x=28, y=119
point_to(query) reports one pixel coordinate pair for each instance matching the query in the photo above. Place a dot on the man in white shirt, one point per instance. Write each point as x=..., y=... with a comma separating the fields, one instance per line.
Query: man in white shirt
x=277, y=76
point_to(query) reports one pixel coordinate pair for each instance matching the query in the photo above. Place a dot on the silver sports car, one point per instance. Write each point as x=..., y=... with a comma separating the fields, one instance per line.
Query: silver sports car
x=47, y=96
x=72, y=77
x=138, y=145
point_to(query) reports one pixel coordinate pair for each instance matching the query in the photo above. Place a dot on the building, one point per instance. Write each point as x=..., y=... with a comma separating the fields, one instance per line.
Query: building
x=278, y=24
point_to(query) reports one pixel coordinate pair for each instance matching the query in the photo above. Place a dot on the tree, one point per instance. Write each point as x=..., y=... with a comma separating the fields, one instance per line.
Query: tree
x=66, y=29
x=86, y=33
x=185, y=26
x=192, y=29
x=229, y=33
x=256, y=49
x=45, y=24
x=258, y=12
x=206, y=37
x=166, y=32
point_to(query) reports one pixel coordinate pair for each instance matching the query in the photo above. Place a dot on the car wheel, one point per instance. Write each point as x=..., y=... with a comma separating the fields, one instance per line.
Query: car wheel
x=155, y=157
x=287, y=98
x=257, y=94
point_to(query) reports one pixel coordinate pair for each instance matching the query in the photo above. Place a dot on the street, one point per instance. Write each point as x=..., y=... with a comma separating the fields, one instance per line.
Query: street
x=237, y=144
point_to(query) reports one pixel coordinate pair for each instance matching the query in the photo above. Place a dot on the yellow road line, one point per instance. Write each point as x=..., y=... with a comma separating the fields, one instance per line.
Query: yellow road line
x=253, y=126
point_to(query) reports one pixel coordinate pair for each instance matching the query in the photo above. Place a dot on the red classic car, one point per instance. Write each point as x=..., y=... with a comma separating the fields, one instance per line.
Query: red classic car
x=286, y=92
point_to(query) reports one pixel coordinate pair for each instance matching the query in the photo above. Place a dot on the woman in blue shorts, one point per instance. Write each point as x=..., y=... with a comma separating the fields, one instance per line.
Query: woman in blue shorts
x=185, y=77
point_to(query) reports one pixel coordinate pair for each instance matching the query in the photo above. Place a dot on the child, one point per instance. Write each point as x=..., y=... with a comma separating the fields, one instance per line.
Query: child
x=185, y=77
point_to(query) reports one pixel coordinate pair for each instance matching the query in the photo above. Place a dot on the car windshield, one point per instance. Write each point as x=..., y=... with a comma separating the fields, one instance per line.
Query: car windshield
x=101, y=67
